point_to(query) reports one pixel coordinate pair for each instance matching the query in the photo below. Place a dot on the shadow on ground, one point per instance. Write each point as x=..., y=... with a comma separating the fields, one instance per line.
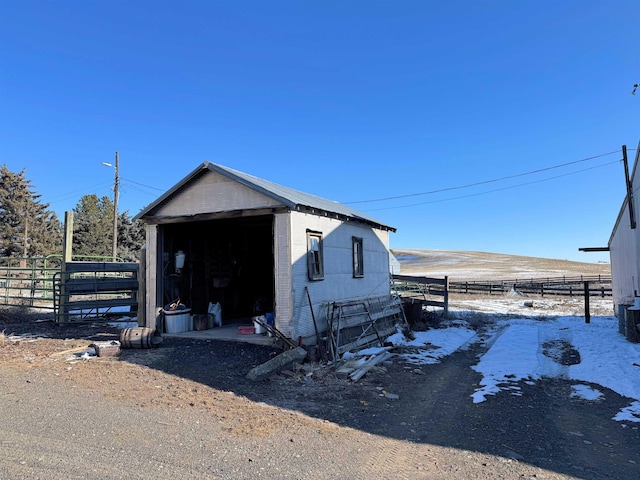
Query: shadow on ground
x=540, y=424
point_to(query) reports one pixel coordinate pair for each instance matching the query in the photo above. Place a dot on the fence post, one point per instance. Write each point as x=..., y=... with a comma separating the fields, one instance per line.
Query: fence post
x=6, y=287
x=67, y=255
x=446, y=297
x=587, y=313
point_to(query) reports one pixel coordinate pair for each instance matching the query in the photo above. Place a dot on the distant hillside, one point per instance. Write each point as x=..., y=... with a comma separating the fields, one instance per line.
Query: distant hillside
x=463, y=265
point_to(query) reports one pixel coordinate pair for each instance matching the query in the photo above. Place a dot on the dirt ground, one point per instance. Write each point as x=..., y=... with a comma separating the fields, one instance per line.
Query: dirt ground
x=317, y=425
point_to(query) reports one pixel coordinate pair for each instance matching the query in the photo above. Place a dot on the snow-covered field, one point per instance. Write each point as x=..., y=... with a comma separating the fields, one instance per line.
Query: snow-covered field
x=550, y=339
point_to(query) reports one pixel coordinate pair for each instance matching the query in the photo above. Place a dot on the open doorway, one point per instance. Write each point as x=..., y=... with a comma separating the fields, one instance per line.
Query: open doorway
x=229, y=261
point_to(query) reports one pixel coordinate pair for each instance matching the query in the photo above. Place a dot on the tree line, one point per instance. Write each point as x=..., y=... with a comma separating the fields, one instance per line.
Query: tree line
x=29, y=228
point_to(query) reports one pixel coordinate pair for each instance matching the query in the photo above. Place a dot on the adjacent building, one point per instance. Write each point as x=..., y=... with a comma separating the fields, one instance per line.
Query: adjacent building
x=624, y=245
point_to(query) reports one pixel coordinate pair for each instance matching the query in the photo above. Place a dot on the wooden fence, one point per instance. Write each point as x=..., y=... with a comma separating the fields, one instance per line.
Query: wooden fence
x=423, y=290
x=419, y=291
x=599, y=286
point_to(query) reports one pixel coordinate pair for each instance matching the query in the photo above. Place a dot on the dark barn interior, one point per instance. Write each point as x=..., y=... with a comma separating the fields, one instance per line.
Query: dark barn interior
x=229, y=261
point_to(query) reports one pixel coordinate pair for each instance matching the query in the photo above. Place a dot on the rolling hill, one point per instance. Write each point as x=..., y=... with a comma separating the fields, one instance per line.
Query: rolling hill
x=466, y=265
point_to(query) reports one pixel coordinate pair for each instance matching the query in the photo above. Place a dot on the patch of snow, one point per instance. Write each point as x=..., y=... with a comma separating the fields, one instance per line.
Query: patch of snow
x=525, y=344
x=516, y=352
x=371, y=351
x=433, y=345
x=125, y=322
x=585, y=392
x=629, y=414
x=511, y=358
x=85, y=355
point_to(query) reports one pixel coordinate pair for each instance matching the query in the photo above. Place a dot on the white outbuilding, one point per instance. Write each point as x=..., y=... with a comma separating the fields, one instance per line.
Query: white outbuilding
x=223, y=236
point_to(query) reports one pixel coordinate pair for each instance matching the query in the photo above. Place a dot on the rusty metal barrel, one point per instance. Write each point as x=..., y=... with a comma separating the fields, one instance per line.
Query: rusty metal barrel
x=139, y=337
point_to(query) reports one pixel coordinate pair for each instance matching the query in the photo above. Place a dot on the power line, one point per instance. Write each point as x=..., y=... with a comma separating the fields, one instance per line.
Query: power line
x=142, y=184
x=63, y=197
x=492, y=191
x=74, y=194
x=460, y=187
x=71, y=193
x=131, y=185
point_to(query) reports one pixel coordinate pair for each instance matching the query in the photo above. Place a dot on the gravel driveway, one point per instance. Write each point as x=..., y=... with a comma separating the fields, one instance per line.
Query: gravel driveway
x=185, y=410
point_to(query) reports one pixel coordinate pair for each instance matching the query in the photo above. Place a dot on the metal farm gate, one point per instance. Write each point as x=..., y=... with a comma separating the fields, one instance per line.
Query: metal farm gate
x=90, y=290
x=76, y=291
x=28, y=282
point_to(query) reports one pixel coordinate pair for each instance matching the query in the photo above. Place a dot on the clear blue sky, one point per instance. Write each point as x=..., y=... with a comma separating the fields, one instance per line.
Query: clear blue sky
x=348, y=100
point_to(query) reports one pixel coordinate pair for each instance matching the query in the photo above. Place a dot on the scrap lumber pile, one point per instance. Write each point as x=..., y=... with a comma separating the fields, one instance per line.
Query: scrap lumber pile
x=356, y=369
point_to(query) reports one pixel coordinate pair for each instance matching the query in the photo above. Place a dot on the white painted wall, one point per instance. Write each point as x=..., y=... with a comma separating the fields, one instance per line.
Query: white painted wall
x=624, y=263
x=283, y=307
x=213, y=193
x=339, y=283
x=624, y=246
x=394, y=265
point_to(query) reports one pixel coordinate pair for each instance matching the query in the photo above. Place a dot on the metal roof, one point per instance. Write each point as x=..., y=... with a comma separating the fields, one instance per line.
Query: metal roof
x=294, y=199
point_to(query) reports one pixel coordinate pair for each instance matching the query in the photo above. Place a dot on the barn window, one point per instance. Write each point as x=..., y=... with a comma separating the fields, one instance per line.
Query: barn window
x=314, y=256
x=358, y=257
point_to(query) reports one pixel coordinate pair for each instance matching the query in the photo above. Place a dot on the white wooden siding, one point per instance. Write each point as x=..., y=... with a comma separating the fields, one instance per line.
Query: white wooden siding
x=394, y=265
x=151, y=308
x=213, y=193
x=282, y=263
x=339, y=283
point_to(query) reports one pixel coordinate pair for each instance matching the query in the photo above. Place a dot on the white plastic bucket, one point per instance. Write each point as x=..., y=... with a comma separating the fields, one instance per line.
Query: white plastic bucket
x=257, y=326
x=177, y=321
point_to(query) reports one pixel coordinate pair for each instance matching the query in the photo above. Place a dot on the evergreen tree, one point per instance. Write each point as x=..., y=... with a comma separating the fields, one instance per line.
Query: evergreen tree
x=93, y=227
x=46, y=235
x=131, y=237
x=12, y=194
x=93, y=230
x=29, y=228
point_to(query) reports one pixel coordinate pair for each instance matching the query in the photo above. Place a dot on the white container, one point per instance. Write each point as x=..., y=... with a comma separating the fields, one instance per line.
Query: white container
x=177, y=321
x=257, y=326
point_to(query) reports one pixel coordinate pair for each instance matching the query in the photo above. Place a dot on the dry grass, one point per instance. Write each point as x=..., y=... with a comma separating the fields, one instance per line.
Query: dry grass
x=464, y=265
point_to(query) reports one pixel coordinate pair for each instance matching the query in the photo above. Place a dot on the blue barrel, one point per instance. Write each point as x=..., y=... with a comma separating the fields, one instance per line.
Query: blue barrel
x=271, y=318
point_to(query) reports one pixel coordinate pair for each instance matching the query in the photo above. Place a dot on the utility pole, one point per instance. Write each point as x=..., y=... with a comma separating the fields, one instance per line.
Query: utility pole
x=116, y=184
x=115, y=209
x=630, y=202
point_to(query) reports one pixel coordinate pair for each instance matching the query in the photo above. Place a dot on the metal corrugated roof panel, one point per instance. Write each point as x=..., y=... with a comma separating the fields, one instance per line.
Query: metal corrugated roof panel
x=289, y=197
x=294, y=198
